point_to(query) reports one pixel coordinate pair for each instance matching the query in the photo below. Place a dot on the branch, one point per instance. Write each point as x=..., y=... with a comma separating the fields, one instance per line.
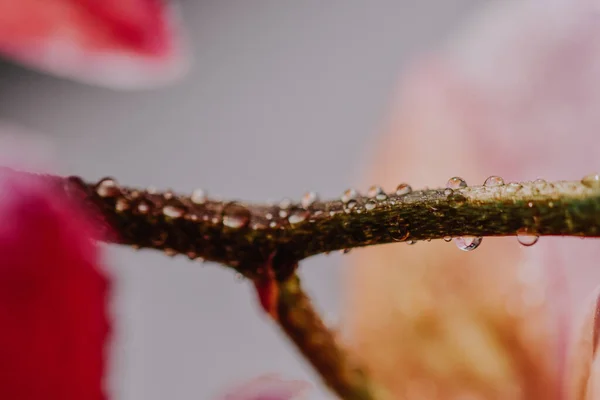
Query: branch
x=291, y=309
x=243, y=236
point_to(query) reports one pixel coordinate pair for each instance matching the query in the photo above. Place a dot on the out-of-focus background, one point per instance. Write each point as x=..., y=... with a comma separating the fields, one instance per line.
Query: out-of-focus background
x=283, y=97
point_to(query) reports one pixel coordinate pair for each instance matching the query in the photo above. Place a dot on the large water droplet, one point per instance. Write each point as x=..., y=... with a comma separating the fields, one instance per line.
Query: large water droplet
x=468, y=243
x=298, y=216
x=348, y=195
x=493, y=181
x=309, y=199
x=447, y=238
x=198, y=196
x=525, y=238
x=172, y=211
x=235, y=216
x=107, y=187
x=370, y=205
x=403, y=189
x=591, y=181
x=456, y=183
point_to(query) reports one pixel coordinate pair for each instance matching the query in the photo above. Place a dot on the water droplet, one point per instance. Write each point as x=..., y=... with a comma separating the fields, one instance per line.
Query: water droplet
x=285, y=204
x=143, y=207
x=173, y=211
x=122, y=205
x=448, y=192
x=350, y=205
x=525, y=238
x=456, y=183
x=283, y=214
x=493, y=181
x=171, y=252
x=198, y=196
x=468, y=243
x=447, y=238
x=309, y=199
x=235, y=216
x=349, y=195
x=273, y=224
x=269, y=216
x=370, y=205
x=168, y=195
x=591, y=181
x=411, y=242
x=377, y=193
x=298, y=216
x=539, y=182
x=107, y=187
x=513, y=187
x=403, y=189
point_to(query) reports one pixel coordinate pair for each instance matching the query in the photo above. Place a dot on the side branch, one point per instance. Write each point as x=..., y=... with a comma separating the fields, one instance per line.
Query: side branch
x=244, y=235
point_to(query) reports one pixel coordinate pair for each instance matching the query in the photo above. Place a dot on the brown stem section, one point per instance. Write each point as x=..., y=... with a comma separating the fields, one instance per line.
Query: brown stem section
x=302, y=324
x=243, y=235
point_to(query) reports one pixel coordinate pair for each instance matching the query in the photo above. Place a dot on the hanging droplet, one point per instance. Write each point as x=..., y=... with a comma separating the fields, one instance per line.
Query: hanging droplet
x=468, y=243
x=349, y=195
x=172, y=211
x=198, y=196
x=143, y=207
x=513, y=187
x=493, y=181
x=107, y=187
x=456, y=183
x=309, y=199
x=298, y=216
x=591, y=181
x=525, y=238
x=370, y=205
x=411, y=242
x=235, y=216
x=171, y=252
x=447, y=238
x=403, y=189
x=285, y=204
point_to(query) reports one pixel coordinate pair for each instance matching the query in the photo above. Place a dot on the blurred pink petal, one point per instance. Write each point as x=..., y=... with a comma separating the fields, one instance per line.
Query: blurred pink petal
x=268, y=387
x=517, y=95
x=120, y=43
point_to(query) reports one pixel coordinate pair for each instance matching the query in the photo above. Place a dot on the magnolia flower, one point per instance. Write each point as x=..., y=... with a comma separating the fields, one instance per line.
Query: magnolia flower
x=517, y=94
x=117, y=43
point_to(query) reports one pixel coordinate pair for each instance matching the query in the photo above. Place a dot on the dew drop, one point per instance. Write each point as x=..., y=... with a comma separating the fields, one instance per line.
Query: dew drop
x=235, y=216
x=493, y=181
x=456, y=183
x=376, y=192
x=107, y=187
x=173, y=211
x=143, y=207
x=350, y=205
x=513, y=187
x=171, y=252
x=403, y=189
x=198, y=196
x=448, y=192
x=283, y=214
x=298, y=216
x=411, y=242
x=285, y=204
x=525, y=238
x=349, y=195
x=309, y=199
x=468, y=243
x=591, y=181
x=370, y=205
x=122, y=205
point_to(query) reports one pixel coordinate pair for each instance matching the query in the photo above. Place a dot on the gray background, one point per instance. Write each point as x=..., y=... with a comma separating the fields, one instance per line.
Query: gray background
x=284, y=96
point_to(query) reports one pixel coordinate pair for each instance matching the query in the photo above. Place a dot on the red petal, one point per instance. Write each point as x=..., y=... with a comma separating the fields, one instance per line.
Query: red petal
x=52, y=297
x=114, y=42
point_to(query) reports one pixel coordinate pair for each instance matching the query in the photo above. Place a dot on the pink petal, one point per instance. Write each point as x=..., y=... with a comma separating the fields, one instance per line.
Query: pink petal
x=120, y=43
x=53, y=296
x=268, y=387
